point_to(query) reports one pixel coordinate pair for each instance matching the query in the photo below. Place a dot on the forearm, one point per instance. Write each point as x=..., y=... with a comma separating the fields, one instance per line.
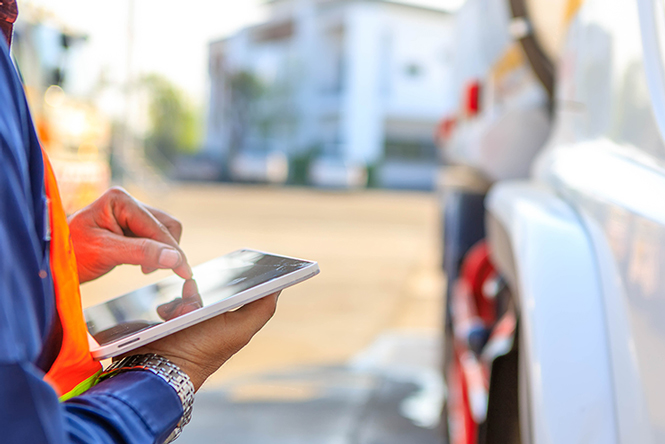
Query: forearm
x=134, y=407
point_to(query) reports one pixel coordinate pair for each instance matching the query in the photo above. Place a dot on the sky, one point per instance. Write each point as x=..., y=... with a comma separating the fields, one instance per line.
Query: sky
x=170, y=36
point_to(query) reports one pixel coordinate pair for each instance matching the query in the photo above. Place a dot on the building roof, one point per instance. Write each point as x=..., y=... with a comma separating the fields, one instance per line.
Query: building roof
x=394, y=2
x=415, y=6
x=333, y=2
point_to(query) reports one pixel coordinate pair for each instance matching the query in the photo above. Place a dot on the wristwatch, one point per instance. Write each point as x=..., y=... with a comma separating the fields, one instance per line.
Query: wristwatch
x=166, y=370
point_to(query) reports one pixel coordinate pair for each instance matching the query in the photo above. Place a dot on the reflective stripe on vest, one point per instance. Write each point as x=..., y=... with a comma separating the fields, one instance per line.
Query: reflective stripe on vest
x=74, y=371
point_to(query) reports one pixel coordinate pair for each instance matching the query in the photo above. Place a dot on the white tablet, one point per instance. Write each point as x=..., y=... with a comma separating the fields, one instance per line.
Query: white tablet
x=226, y=283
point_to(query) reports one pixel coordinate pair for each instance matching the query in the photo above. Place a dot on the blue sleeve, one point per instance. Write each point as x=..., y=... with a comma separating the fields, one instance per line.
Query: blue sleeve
x=135, y=407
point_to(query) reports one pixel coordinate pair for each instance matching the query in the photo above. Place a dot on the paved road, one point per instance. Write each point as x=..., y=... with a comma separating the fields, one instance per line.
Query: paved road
x=379, y=255
x=389, y=394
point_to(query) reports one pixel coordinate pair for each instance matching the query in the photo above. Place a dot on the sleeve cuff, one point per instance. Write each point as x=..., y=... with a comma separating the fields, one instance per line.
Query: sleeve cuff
x=143, y=395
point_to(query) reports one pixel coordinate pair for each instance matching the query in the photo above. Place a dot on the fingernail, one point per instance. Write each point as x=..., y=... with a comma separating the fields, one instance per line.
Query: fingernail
x=190, y=289
x=169, y=258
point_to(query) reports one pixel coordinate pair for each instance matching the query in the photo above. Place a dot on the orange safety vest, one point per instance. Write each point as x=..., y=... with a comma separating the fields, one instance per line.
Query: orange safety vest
x=74, y=370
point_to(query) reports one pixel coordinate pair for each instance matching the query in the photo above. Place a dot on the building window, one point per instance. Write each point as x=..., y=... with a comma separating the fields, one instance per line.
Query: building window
x=276, y=32
x=397, y=149
x=413, y=70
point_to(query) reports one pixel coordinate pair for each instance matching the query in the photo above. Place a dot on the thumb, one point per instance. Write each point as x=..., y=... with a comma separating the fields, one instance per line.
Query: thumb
x=148, y=253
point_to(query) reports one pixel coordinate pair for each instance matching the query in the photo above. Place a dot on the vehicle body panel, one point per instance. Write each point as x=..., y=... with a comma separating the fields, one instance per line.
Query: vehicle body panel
x=549, y=22
x=513, y=120
x=606, y=161
x=541, y=238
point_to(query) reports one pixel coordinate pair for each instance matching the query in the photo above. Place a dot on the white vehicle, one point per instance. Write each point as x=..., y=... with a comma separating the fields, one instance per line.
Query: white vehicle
x=505, y=87
x=260, y=167
x=502, y=121
x=503, y=117
x=580, y=244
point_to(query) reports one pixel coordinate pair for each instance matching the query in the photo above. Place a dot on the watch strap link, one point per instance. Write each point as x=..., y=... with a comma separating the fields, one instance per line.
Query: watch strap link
x=166, y=370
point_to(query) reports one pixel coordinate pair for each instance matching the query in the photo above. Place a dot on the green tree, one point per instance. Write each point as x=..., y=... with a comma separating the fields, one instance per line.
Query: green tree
x=245, y=90
x=175, y=127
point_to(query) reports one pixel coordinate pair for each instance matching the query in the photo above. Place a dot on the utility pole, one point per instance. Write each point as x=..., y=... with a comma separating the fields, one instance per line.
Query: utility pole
x=127, y=139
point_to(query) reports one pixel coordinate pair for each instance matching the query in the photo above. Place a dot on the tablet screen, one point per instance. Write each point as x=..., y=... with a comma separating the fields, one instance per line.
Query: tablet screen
x=217, y=280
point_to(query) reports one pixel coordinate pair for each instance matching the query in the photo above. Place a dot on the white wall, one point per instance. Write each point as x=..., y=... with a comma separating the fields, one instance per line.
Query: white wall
x=362, y=110
x=351, y=61
x=424, y=41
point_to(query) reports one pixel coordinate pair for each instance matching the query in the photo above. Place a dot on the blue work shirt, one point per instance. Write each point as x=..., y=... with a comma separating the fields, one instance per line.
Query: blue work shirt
x=133, y=407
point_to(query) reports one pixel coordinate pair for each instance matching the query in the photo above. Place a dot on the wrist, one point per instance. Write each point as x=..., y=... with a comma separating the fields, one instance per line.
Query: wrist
x=196, y=375
x=165, y=369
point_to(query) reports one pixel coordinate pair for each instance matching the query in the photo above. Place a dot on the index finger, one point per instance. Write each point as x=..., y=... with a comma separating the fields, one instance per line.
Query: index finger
x=133, y=216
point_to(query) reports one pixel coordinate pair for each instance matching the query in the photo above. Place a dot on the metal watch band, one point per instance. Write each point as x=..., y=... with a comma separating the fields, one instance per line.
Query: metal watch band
x=166, y=370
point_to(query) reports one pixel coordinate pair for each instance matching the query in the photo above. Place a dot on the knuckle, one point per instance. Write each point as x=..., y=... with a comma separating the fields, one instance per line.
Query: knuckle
x=117, y=191
x=243, y=343
x=145, y=247
x=172, y=225
x=268, y=309
x=117, y=196
x=236, y=344
x=163, y=228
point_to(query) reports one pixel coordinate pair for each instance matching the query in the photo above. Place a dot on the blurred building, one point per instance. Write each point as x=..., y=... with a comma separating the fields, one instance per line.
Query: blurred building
x=332, y=90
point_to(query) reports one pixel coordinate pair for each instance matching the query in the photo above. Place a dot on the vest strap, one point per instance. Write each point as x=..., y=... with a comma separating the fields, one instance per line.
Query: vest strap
x=82, y=387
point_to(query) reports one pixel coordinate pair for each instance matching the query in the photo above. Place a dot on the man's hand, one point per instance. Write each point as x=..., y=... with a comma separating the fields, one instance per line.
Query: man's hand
x=202, y=348
x=117, y=229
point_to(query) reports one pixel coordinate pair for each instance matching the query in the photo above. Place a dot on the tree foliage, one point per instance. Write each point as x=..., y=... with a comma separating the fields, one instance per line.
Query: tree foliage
x=245, y=90
x=175, y=127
